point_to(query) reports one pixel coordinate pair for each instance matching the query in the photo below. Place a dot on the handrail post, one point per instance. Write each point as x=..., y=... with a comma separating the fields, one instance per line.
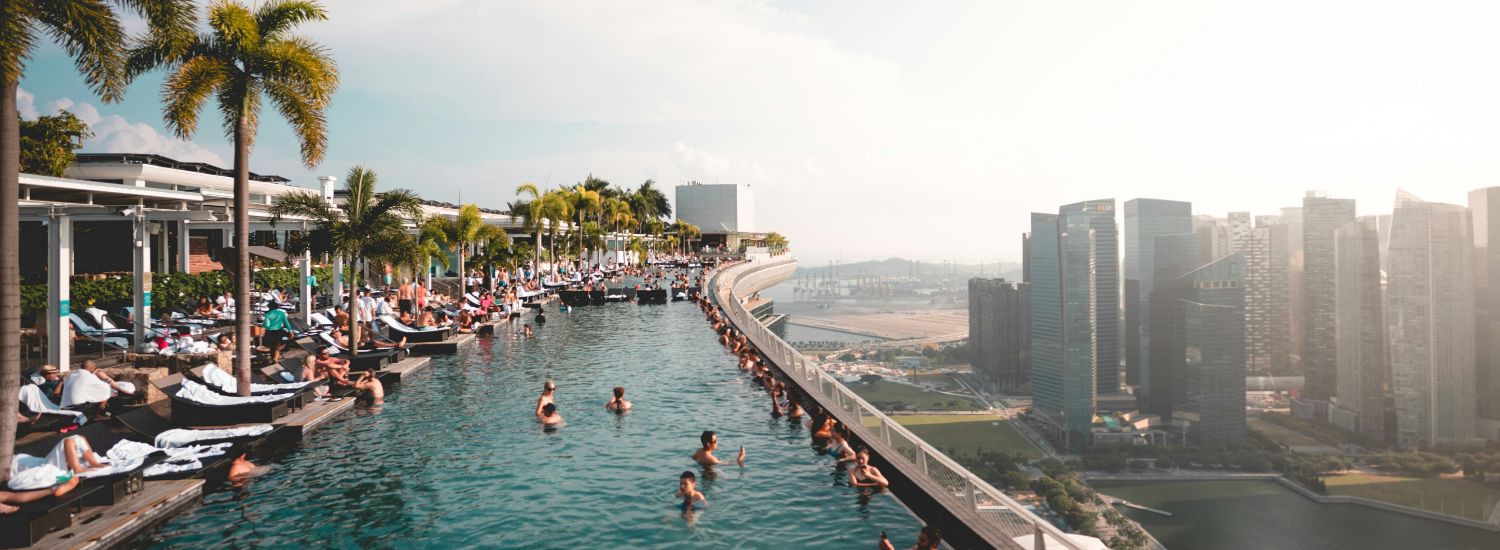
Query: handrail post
x=973, y=492
x=922, y=457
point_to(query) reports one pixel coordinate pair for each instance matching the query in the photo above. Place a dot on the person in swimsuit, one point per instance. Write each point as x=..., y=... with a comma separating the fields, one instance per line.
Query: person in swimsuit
x=863, y=475
x=838, y=447
x=10, y=501
x=705, y=455
x=548, y=415
x=687, y=490
x=548, y=389
x=617, y=404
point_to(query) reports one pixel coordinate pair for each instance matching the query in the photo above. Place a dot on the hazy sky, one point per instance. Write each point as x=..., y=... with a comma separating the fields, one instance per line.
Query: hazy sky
x=873, y=129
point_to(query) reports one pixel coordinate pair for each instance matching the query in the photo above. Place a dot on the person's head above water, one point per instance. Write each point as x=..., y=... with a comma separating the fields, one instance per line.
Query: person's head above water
x=709, y=439
x=619, y=392
x=549, y=409
x=549, y=387
x=929, y=537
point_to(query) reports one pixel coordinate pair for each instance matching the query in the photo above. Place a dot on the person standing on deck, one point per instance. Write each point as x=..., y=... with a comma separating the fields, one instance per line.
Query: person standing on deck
x=403, y=297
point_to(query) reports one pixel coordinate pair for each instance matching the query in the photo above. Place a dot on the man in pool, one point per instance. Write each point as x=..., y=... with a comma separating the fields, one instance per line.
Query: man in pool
x=546, y=398
x=705, y=455
x=618, y=403
x=863, y=475
x=687, y=489
x=929, y=538
x=548, y=416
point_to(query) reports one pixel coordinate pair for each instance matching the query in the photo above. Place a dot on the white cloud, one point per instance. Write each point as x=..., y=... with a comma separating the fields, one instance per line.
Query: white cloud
x=26, y=104
x=706, y=167
x=114, y=134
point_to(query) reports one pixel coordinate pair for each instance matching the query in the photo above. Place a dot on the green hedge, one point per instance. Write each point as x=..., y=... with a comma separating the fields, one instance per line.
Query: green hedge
x=180, y=290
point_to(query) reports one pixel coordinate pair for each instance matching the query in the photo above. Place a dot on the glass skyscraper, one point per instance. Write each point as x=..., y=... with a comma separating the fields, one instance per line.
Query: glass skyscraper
x=1145, y=219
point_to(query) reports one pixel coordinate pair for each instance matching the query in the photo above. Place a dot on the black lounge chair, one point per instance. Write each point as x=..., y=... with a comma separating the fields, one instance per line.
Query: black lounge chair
x=651, y=296
x=148, y=425
x=397, y=330
x=300, y=396
x=37, y=518
x=366, y=360
x=188, y=412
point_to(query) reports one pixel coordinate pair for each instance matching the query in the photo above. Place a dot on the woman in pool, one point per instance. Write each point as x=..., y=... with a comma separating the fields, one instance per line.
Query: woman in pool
x=775, y=403
x=839, y=449
x=865, y=476
x=793, y=410
x=617, y=404
x=825, y=425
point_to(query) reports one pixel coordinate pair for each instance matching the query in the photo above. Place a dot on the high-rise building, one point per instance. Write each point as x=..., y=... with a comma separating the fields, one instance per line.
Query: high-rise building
x=1074, y=270
x=999, y=335
x=1213, y=237
x=1484, y=206
x=1267, y=298
x=1359, y=330
x=1239, y=226
x=1430, y=306
x=1321, y=217
x=1175, y=256
x=1209, y=393
x=1291, y=217
x=1145, y=219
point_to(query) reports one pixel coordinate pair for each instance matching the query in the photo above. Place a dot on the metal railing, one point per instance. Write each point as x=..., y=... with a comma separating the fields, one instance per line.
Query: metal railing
x=964, y=489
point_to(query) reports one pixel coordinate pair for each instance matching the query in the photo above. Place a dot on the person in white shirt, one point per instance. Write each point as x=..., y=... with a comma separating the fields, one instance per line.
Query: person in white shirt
x=226, y=302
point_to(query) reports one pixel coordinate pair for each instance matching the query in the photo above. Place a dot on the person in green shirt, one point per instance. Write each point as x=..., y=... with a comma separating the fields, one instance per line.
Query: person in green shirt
x=275, y=326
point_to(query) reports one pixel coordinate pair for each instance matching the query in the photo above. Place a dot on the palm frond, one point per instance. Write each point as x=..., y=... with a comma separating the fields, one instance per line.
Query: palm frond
x=233, y=23
x=186, y=88
x=92, y=35
x=279, y=16
x=17, y=38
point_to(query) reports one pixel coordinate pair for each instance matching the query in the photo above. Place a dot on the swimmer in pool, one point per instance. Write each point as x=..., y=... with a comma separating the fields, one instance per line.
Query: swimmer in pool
x=526, y=331
x=687, y=490
x=548, y=416
x=618, y=404
x=242, y=470
x=863, y=475
x=546, y=399
x=705, y=454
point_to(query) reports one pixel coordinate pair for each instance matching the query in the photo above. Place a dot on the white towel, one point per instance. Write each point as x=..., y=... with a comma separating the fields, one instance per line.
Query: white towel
x=198, y=393
x=32, y=396
x=184, y=438
x=85, y=387
x=216, y=376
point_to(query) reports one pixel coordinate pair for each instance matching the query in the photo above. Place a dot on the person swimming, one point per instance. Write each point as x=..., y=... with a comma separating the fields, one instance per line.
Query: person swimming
x=242, y=470
x=548, y=416
x=548, y=388
x=863, y=475
x=526, y=330
x=687, y=490
x=705, y=455
x=618, y=404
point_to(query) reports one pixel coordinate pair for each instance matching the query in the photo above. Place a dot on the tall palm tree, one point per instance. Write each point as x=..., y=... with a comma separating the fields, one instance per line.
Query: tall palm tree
x=430, y=246
x=92, y=34
x=462, y=232
x=532, y=212
x=654, y=203
x=585, y=204
x=368, y=226
x=556, y=208
x=686, y=232
x=246, y=55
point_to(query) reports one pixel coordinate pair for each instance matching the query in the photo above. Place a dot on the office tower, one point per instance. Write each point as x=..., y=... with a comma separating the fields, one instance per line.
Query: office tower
x=1213, y=237
x=1175, y=255
x=1430, y=306
x=1208, y=395
x=999, y=312
x=1359, y=330
x=1291, y=217
x=1074, y=257
x=1145, y=219
x=1321, y=217
x=1267, y=298
x=1484, y=206
x=1239, y=227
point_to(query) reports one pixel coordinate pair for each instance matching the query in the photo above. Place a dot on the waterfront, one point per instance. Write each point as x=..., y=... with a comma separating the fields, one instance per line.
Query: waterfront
x=1233, y=515
x=454, y=457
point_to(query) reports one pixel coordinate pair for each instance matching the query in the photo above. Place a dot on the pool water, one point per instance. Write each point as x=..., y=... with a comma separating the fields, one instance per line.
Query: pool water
x=455, y=458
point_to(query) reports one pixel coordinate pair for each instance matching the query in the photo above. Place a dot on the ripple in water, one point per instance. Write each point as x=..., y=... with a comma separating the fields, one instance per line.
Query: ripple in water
x=455, y=458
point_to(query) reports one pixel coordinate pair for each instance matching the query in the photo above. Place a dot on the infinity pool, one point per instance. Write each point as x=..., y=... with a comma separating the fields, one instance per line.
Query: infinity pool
x=455, y=458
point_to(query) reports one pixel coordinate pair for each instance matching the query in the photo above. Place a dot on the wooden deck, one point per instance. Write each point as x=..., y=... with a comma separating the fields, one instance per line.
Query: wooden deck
x=451, y=345
x=309, y=418
x=393, y=374
x=113, y=526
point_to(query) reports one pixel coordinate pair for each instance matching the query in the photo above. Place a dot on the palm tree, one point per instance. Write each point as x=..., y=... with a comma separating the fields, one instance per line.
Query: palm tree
x=430, y=241
x=244, y=56
x=532, y=213
x=654, y=203
x=686, y=232
x=556, y=208
x=775, y=242
x=93, y=35
x=584, y=202
x=462, y=232
x=367, y=226
x=496, y=252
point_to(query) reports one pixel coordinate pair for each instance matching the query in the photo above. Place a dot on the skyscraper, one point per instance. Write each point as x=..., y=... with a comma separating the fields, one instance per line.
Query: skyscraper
x=1359, y=321
x=1213, y=237
x=1074, y=270
x=1291, y=217
x=1321, y=217
x=1175, y=256
x=1208, y=397
x=1430, y=305
x=1267, y=298
x=1145, y=219
x=1484, y=206
x=999, y=335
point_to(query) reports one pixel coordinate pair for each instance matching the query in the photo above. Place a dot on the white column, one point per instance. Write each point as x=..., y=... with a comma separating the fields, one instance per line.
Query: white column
x=141, y=298
x=163, y=263
x=307, y=300
x=338, y=280
x=184, y=246
x=59, y=272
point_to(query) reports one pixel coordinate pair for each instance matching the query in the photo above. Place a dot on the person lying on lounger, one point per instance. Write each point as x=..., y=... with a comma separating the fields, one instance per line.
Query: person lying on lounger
x=10, y=501
x=367, y=341
x=617, y=404
x=705, y=454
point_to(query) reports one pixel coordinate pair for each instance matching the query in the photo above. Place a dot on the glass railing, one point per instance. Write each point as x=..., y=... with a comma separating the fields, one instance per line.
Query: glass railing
x=961, y=488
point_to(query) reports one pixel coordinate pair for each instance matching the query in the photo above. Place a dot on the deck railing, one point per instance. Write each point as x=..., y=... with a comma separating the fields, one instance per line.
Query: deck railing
x=964, y=490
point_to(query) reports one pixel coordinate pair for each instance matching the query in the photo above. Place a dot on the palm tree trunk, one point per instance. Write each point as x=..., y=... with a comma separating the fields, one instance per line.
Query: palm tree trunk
x=242, y=276
x=463, y=287
x=537, y=251
x=10, y=272
x=354, y=305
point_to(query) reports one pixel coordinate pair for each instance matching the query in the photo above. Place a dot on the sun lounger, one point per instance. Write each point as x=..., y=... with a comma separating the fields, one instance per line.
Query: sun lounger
x=214, y=378
x=193, y=404
x=37, y=518
x=367, y=359
x=397, y=330
x=651, y=296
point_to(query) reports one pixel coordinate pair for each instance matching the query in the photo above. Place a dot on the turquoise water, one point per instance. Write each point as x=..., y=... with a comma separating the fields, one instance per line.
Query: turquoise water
x=455, y=458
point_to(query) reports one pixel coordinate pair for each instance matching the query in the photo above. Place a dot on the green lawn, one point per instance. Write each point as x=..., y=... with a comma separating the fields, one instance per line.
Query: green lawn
x=1457, y=497
x=967, y=434
x=1284, y=435
x=881, y=394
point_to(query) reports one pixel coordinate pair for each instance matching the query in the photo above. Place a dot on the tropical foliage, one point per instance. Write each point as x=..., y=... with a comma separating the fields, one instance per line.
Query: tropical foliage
x=47, y=143
x=462, y=233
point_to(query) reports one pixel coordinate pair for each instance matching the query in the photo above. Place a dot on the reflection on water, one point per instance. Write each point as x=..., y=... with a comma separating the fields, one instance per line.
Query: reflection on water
x=454, y=458
x=1254, y=515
